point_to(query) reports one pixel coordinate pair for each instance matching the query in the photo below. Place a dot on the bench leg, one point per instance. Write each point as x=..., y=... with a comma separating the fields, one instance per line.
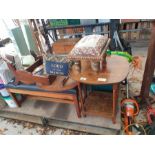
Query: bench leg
x=77, y=107
x=13, y=96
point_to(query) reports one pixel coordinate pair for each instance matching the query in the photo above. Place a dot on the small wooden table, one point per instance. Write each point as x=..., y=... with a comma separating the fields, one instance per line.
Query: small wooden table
x=101, y=103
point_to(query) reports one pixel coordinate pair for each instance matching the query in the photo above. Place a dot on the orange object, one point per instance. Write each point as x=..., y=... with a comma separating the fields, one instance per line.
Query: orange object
x=130, y=109
x=137, y=62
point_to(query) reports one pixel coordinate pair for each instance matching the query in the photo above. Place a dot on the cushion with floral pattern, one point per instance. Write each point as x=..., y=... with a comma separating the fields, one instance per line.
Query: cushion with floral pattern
x=91, y=45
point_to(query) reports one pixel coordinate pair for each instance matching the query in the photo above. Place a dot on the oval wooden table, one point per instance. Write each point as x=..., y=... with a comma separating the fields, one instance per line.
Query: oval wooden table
x=99, y=103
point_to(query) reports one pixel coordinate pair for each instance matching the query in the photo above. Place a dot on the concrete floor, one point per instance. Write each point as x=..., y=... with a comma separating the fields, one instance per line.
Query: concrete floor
x=14, y=127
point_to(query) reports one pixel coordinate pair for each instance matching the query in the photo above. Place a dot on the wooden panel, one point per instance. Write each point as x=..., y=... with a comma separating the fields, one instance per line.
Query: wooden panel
x=42, y=94
x=125, y=27
x=128, y=27
x=139, y=33
x=99, y=104
x=144, y=34
x=64, y=46
x=145, y=31
x=135, y=34
x=74, y=30
x=27, y=76
x=61, y=33
x=24, y=76
x=51, y=99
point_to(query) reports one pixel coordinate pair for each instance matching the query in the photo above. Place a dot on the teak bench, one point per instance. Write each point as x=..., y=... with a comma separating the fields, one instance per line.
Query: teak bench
x=69, y=93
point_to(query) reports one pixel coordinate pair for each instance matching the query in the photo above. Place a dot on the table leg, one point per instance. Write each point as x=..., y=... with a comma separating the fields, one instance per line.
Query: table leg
x=115, y=99
x=81, y=99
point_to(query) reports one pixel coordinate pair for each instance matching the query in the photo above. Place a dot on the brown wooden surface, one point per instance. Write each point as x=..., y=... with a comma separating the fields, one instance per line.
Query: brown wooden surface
x=53, y=96
x=99, y=103
x=58, y=84
x=41, y=94
x=64, y=46
x=51, y=99
x=102, y=104
x=149, y=66
x=46, y=96
x=116, y=70
x=27, y=76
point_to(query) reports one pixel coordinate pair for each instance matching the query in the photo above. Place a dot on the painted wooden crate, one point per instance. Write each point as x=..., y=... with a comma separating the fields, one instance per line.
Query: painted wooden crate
x=57, y=65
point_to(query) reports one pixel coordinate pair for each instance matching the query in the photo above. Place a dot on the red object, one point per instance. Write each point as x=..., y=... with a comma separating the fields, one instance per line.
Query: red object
x=130, y=109
x=150, y=111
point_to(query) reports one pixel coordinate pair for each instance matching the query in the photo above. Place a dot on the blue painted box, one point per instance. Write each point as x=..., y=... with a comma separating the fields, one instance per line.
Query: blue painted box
x=57, y=68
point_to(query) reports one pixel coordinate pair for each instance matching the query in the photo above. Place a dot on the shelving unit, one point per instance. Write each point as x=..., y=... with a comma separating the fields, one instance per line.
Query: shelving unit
x=102, y=28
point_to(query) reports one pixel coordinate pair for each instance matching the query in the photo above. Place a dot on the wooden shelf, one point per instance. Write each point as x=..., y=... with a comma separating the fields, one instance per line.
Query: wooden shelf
x=99, y=104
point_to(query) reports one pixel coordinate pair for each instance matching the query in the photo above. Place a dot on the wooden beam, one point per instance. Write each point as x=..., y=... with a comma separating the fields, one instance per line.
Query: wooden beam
x=51, y=99
x=42, y=94
x=149, y=67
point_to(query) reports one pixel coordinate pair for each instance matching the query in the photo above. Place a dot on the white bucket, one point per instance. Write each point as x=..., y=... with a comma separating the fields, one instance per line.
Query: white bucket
x=4, y=92
x=10, y=102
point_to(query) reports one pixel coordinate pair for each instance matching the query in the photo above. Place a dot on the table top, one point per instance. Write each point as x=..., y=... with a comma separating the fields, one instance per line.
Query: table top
x=116, y=70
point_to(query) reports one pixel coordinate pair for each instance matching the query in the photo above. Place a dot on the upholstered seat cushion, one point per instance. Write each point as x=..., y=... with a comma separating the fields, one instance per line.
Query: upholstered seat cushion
x=91, y=45
x=36, y=88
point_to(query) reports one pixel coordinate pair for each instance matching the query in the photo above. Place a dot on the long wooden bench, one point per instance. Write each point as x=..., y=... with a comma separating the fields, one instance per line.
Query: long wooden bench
x=69, y=93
